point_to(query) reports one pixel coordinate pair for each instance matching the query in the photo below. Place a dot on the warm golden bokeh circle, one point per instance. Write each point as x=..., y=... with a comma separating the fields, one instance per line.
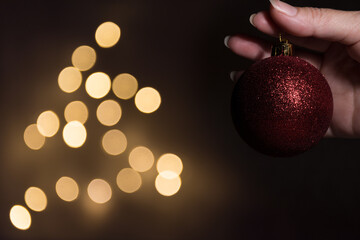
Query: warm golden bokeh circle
x=167, y=187
x=169, y=165
x=124, y=86
x=67, y=189
x=76, y=111
x=107, y=34
x=147, y=100
x=83, y=58
x=32, y=137
x=35, y=199
x=141, y=159
x=109, y=112
x=97, y=85
x=48, y=123
x=114, y=142
x=69, y=79
x=74, y=134
x=128, y=180
x=20, y=217
x=99, y=191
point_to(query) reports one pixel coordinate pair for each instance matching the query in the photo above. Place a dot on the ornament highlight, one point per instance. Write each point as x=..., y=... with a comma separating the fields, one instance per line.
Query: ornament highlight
x=282, y=105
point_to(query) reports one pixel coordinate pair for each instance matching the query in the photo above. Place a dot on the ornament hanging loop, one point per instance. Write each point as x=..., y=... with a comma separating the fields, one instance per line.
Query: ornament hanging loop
x=282, y=48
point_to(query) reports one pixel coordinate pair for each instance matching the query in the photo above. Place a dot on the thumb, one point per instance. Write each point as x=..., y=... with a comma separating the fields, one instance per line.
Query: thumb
x=327, y=24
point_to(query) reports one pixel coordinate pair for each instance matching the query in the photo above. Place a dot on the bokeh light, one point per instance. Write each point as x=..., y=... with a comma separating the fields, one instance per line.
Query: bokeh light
x=124, y=86
x=35, y=199
x=76, y=111
x=74, y=134
x=169, y=166
x=107, y=34
x=69, y=79
x=108, y=112
x=114, y=142
x=48, y=123
x=167, y=187
x=141, y=159
x=83, y=58
x=98, y=85
x=20, y=217
x=67, y=189
x=32, y=137
x=128, y=180
x=99, y=191
x=147, y=100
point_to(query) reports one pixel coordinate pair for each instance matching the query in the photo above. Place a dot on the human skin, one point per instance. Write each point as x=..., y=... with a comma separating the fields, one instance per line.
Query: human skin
x=329, y=39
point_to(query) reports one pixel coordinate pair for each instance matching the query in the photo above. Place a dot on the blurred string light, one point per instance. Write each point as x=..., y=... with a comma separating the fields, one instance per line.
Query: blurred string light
x=20, y=217
x=67, y=189
x=109, y=112
x=35, y=199
x=169, y=166
x=32, y=137
x=83, y=58
x=99, y=191
x=48, y=123
x=76, y=111
x=74, y=134
x=166, y=186
x=114, y=142
x=147, y=100
x=107, y=34
x=98, y=85
x=141, y=159
x=168, y=182
x=124, y=86
x=128, y=180
x=69, y=79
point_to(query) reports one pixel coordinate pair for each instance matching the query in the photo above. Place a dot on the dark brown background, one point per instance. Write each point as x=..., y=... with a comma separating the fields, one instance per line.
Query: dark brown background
x=229, y=191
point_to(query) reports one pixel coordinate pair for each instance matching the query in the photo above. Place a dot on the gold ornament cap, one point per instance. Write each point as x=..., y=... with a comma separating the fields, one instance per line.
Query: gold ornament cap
x=282, y=48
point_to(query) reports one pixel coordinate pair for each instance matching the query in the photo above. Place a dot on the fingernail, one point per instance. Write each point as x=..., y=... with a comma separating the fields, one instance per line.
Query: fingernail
x=232, y=76
x=226, y=39
x=251, y=19
x=284, y=7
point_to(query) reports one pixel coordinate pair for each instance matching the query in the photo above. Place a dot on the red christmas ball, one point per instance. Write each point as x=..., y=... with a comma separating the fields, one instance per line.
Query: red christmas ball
x=282, y=106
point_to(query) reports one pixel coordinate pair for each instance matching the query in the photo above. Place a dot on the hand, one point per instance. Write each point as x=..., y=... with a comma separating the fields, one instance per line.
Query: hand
x=331, y=42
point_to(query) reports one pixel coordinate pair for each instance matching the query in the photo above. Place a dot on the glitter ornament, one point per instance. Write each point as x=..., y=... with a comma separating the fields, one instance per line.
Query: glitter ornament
x=282, y=105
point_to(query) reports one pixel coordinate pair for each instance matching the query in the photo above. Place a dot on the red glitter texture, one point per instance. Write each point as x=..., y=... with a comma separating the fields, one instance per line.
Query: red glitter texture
x=282, y=106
